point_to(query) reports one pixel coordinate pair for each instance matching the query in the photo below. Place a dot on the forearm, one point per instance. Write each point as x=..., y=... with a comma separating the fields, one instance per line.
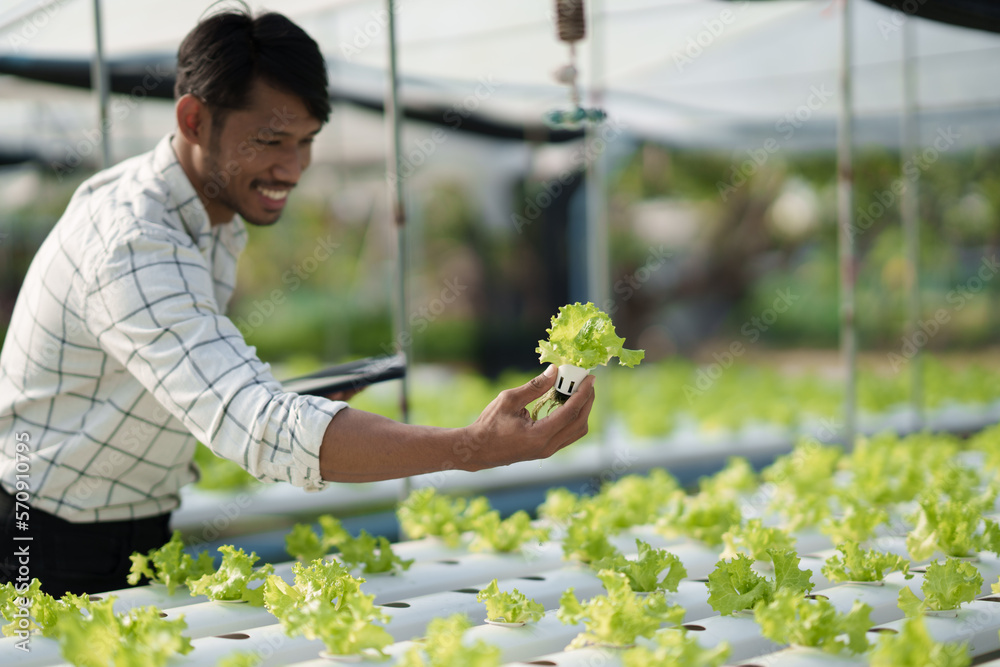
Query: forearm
x=359, y=446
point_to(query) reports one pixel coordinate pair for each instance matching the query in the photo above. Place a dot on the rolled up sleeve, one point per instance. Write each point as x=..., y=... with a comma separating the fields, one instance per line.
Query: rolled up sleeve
x=152, y=309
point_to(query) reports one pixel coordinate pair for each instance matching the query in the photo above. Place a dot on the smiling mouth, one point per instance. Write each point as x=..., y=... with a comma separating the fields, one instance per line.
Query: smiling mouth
x=276, y=195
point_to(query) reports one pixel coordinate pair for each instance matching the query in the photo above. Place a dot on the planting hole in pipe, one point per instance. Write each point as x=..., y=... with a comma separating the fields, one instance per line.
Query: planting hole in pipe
x=449, y=562
x=541, y=662
x=693, y=627
x=701, y=581
x=94, y=598
x=396, y=605
x=817, y=597
x=234, y=635
x=884, y=631
x=473, y=591
x=532, y=577
x=163, y=614
x=990, y=598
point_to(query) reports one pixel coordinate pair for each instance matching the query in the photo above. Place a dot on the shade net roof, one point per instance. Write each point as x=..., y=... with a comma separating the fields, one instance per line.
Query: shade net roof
x=696, y=73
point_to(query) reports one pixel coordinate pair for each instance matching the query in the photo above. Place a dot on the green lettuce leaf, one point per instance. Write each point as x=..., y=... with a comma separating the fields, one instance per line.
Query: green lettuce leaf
x=512, y=607
x=949, y=584
x=506, y=535
x=701, y=517
x=737, y=477
x=584, y=336
x=373, y=554
x=426, y=513
x=914, y=647
x=855, y=564
x=169, y=565
x=734, y=586
x=327, y=603
x=443, y=647
x=644, y=572
x=230, y=582
x=586, y=538
x=91, y=634
x=787, y=573
x=559, y=506
x=856, y=523
x=791, y=618
x=618, y=617
x=677, y=648
x=302, y=542
x=946, y=525
x=753, y=538
x=636, y=499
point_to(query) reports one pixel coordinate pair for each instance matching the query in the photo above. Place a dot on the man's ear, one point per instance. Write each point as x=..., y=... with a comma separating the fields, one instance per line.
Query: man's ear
x=193, y=119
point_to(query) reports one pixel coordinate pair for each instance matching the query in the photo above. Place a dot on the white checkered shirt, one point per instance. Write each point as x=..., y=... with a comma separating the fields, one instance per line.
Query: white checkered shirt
x=118, y=352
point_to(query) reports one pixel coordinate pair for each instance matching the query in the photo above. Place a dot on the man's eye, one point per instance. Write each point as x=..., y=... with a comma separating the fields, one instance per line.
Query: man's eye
x=264, y=142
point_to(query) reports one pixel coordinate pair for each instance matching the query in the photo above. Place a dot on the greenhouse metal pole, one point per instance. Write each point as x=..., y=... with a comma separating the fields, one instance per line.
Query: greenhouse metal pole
x=845, y=229
x=102, y=84
x=598, y=260
x=394, y=163
x=910, y=212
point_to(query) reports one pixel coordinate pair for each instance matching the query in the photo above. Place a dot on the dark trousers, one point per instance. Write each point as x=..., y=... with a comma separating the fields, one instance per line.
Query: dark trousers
x=72, y=557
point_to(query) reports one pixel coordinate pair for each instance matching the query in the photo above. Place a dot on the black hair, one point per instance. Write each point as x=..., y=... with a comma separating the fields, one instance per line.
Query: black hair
x=221, y=57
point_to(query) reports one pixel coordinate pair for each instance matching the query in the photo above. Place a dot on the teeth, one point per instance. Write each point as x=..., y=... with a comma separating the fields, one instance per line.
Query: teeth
x=274, y=194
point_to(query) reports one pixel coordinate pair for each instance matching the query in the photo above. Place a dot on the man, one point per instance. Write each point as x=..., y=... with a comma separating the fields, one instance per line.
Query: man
x=119, y=355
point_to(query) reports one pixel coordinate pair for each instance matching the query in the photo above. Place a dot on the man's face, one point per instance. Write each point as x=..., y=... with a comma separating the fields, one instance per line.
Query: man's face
x=257, y=156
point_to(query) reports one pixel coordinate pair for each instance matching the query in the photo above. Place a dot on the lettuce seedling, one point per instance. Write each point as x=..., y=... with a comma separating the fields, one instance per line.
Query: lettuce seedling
x=616, y=619
x=304, y=544
x=948, y=526
x=857, y=522
x=644, y=573
x=373, y=554
x=803, y=483
x=701, y=517
x=327, y=603
x=169, y=565
x=946, y=586
x=791, y=618
x=513, y=607
x=914, y=647
x=677, y=648
x=733, y=586
x=636, y=499
x=91, y=634
x=230, y=582
x=506, y=535
x=443, y=647
x=755, y=539
x=737, y=477
x=586, y=537
x=855, y=564
x=581, y=335
x=426, y=513
x=560, y=505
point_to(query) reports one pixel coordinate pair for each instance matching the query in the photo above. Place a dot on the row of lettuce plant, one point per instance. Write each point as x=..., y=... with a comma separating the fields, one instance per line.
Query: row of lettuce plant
x=938, y=487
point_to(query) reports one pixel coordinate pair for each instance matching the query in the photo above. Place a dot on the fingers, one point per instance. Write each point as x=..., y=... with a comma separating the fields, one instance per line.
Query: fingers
x=577, y=426
x=534, y=388
x=577, y=408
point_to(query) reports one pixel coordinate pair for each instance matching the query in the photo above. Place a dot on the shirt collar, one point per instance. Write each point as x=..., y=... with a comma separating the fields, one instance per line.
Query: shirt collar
x=185, y=201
